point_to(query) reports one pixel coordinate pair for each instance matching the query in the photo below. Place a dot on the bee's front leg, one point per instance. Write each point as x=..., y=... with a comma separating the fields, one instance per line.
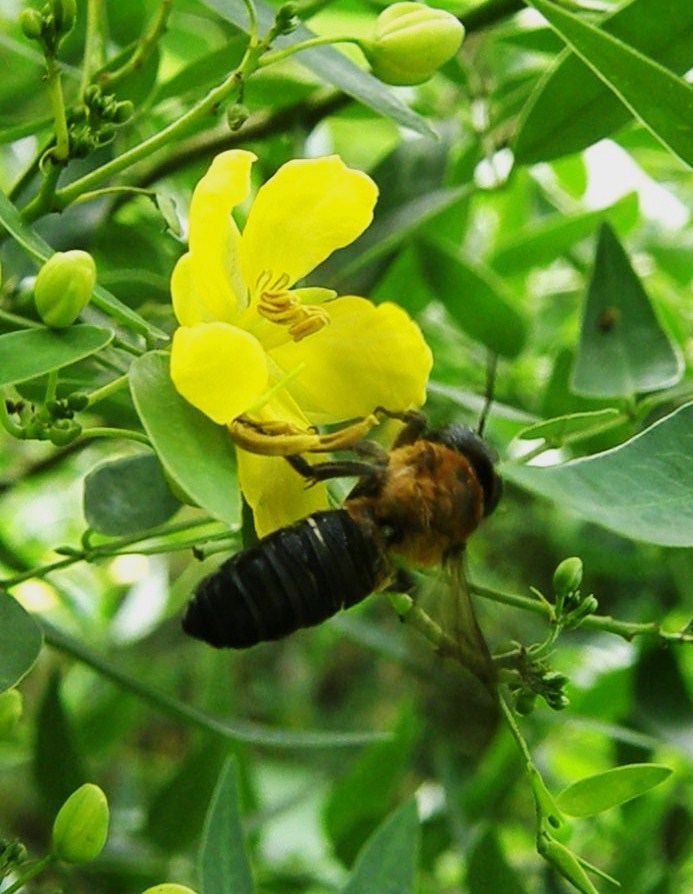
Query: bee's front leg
x=337, y=468
x=415, y=423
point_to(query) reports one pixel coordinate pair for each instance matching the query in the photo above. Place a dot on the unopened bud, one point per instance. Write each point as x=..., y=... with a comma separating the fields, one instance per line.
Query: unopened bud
x=411, y=42
x=122, y=111
x=31, y=23
x=568, y=576
x=64, y=13
x=81, y=826
x=63, y=287
x=236, y=116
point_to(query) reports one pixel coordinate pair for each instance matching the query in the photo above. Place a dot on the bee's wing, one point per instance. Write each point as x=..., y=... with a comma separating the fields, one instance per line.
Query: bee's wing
x=458, y=620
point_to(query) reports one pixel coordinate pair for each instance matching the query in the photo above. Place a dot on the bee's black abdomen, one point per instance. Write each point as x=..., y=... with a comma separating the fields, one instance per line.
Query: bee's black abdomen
x=295, y=577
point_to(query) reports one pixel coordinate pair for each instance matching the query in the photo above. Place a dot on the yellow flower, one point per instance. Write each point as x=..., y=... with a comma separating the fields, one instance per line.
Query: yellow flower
x=249, y=344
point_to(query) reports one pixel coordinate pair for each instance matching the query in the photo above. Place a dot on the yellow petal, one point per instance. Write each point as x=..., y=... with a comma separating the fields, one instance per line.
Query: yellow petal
x=218, y=368
x=277, y=495
x=366, y=357
x=214, y=236
x=307, y=210
x=187, y=304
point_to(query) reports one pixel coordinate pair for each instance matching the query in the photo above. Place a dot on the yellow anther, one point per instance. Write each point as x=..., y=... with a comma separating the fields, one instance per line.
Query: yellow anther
x=278, y=305
x=312, y=318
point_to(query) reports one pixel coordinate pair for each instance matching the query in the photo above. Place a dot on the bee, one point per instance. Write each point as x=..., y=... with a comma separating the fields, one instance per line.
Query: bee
x=417, y=503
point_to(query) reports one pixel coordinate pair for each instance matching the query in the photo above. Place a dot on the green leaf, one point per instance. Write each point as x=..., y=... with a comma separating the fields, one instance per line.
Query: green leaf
x=623, y=349
x=20, y=642
x=387, y=863
x=187, y=792
x=557, y=430
x=488, y=870
x=38, y=248
x=572, y=108
x=640, y=489
x=30, y=353
x=475, y=297
x=328, y=63
x=58, y=761
x=543, y=242
x=224, y=865
x=127, y=495
x=359, y=800
x=659, y=99
x=604, y=790
x=196, y=454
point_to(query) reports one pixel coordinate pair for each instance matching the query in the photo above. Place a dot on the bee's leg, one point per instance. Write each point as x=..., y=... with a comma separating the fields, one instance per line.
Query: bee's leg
x=338, y=468
x=414, y=425
x=285, y=439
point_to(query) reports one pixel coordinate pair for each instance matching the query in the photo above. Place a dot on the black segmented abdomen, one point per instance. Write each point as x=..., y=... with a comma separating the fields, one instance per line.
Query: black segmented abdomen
x=295, y=577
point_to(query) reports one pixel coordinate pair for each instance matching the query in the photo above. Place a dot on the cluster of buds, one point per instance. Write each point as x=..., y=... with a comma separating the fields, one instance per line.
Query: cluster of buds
x=537, y=679
x=51, y=25
x=286, y=19
x=410, y=43
x=12, y=855
x=93, y=124
x=52, y=422
x=571, y=607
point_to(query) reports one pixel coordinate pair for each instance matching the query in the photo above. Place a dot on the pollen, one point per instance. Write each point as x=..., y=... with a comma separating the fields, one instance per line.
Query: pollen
x=278, y=305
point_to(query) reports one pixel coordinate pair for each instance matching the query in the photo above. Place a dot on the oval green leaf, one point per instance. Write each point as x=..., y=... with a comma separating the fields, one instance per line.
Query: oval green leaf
x=623, y=349
x=659, y=99
x=640, y=489
x=30, y=353
x=475, y=297
x=224, y=865
x=387, y=862
x=128, y=495
x=541, y=244
x=573, y=108
x=20, y=642
x=197, y=454
x=605, y=790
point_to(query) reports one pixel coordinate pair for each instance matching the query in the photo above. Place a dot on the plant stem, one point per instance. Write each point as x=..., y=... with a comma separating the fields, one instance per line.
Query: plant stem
x=169, y=134
x=627, y=629
x=126, y=433
x=93, y=45
x=107, y=390
x=37, y=867
x=286, y=52
x=145, y=46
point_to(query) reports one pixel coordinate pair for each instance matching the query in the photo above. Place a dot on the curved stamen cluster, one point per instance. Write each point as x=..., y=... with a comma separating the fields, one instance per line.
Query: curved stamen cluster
x=278, y=305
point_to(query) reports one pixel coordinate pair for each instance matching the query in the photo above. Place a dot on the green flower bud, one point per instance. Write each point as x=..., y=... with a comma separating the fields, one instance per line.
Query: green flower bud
x=568, y=576
x=169, y=888
x=122, y=111
x=81, y=826
x=411, y=42
x=31, y=23
x=77, y=401
x=64, y=13
x=10, y=711
x=63, y=287
x=236, y=116
x=566, y=863
x=525, y=701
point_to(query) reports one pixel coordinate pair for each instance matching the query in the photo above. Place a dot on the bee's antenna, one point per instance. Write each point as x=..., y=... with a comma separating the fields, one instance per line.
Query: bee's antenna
x=491, y=366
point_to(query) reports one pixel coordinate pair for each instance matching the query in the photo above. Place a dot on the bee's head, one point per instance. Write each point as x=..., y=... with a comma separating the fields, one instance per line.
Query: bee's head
x=467, y=442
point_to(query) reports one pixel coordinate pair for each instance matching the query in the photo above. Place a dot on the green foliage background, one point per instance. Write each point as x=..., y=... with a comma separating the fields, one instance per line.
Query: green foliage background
x=504, y=224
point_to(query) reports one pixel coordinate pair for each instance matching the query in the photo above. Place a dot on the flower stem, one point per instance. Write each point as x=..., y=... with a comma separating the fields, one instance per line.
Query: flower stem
x=108, y=389
x=285, y=52
x=93, y=44
x=172, y=132
x=99, y=432
x=627, y=629
x=33, y=870
x=145, y=46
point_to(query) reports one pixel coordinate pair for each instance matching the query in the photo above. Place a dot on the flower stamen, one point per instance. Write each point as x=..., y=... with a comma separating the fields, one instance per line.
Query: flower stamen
x=278, y=305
